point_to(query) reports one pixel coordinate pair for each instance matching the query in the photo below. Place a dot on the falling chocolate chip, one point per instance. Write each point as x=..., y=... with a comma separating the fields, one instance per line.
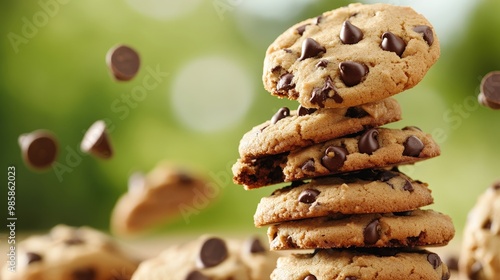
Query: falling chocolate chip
x=281, y=114
x=311, y=48
x=310, y=277
x=434, y=260
x=123, y=62
x=322, y=63
x=285, y=82
x=84, y=274
x=350, y=34
x=39, y=149
x=255, y=246
x=303, y=111
x=427, y=33
x=319, y=95
x=213, y=252
x=33, y=257
x=368, y=143
x=96, y=141
x=490, y=90
x=308, y=196
x=371, y=233
x=392, y=43
x=301, y=29
x=308, y=166
x=196, y=275
x=412, y=146
x=352, y=73
x=356, y=113
x=334, y=158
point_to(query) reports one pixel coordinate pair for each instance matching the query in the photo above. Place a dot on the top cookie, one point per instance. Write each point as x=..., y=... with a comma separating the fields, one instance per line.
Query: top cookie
x=350, y=56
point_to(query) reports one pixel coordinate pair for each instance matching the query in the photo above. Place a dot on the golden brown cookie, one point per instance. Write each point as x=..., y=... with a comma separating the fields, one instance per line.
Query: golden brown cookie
x=374, y=148
x=289, y=130
x=350, y=56
x=367, y=191
x=399, y=229
x=362, y=264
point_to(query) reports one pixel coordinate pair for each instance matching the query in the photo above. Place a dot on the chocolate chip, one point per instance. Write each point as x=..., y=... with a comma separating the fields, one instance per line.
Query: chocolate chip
x=308, y=166
x=487, y=225
x=386, y=175
x=288, y=50
x=33, y=257
x=368, y=143
x=319, y=95
x=351, y=278
x=350, y=34
x=322, y=63
x=255, y=246
x=334, y=158
x=84, y=274
x=290, y=243
x=285, y=82
x=308, y=196
x=123, y=61
x=318, y=19
x=412, y=146
x=96, y=141
x=196, y=275
x=311, y=48
x=371, y=233
x=427, y=33
x=412, y=127
x=39, y=149
x=446, y=275
x=434, y=260
x=408, y=186
x=301, y=29
x=213, y=252
x=310, y=277
x=392, y=43
x=496, y=186
x=356, y=113
x=302, y=111
x=490, y=90
x=281, y=114
x=352, y=73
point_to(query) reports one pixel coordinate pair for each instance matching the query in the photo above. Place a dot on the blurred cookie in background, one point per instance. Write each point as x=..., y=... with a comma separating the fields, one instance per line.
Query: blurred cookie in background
x=480, y=255
x=164, y=194
x=210, y=257
x=71, y=253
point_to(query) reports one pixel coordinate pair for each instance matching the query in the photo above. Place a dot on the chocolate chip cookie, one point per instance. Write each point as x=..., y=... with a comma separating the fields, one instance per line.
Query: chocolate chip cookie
x=367, y=191
x=288, y=130
x=373, y=148
x=480, y=254
x=165, y=193
x=211, y=257
x=362, y=264
x=69, y=253
x=398, y=229
x=350, y=56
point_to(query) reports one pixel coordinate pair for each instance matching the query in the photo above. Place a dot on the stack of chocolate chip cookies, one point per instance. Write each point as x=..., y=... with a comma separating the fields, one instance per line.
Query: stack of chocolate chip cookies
x=347, y=202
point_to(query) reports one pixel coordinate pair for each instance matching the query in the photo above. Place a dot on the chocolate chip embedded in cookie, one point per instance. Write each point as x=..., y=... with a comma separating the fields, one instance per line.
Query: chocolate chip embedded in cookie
x=165, y=193
x=71, y=253
x=358, y=264
x=479, y=257
x=367, y=191
x=398, y=229
x=287, y=130
x=353, y=55
x=210, y=257
x=395, y=147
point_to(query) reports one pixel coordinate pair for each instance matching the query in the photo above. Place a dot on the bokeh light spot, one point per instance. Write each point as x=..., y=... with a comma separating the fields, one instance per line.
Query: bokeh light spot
x=211, y=93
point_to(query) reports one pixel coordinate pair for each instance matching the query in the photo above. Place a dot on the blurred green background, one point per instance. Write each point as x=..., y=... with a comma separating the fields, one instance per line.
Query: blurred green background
x=208, y=94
